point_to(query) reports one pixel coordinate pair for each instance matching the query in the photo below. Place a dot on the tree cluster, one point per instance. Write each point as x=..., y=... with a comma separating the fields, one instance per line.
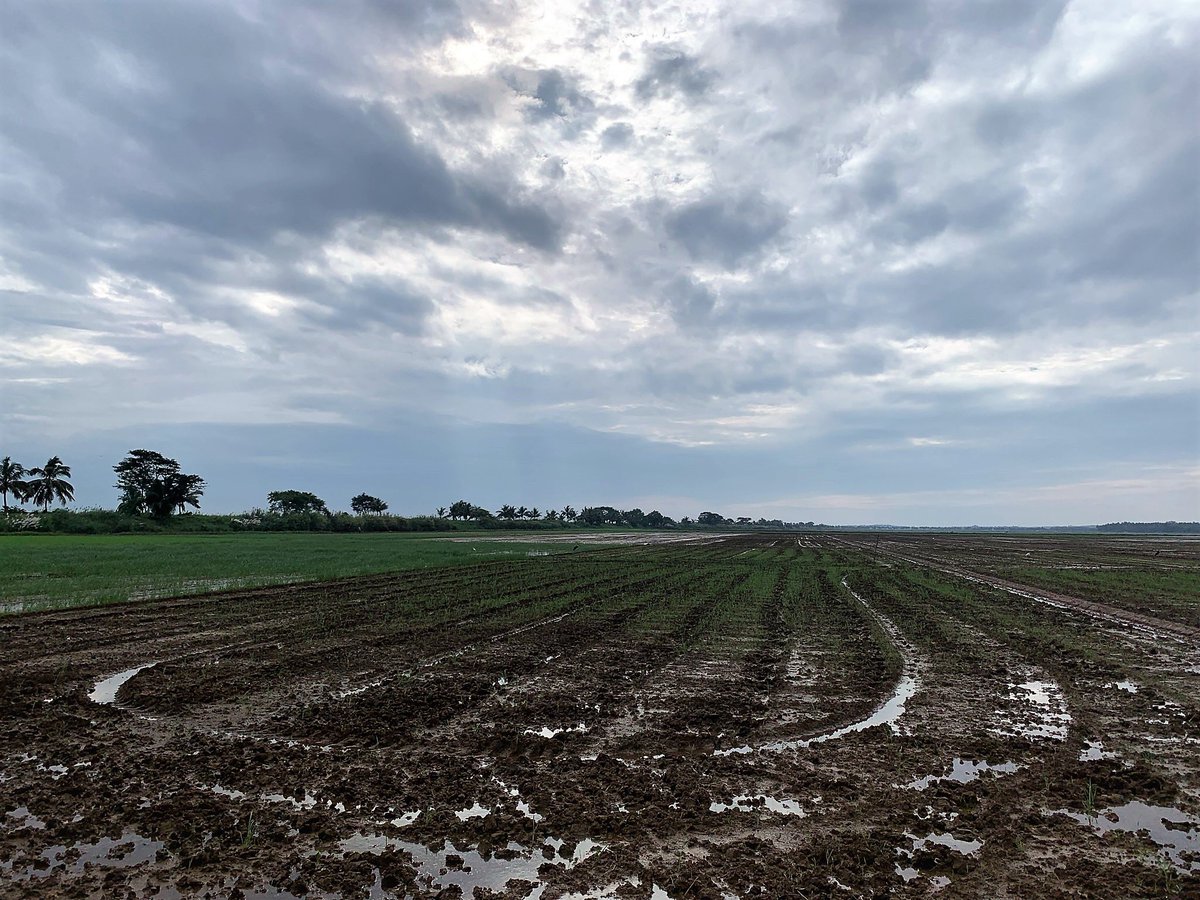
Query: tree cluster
x=1171, y=527
x=365, y=503
x=295, y=502
x=462, y=509
x=589, y=515
x=154, y=485
x=41, y=485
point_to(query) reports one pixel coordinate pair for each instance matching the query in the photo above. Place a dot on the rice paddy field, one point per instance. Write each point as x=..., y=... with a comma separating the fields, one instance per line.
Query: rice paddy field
x=58, y=571
x=727, y=716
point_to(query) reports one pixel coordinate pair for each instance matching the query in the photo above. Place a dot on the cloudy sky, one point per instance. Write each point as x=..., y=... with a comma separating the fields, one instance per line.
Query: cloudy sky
x=861, y=261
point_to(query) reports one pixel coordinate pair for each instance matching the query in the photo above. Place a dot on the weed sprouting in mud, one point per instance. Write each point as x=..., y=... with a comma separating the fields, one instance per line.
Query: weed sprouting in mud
x=248, y=836
x=1089, y=800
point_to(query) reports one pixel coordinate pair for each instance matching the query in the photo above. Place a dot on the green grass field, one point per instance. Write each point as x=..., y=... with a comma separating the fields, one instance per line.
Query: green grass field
x=58, y=571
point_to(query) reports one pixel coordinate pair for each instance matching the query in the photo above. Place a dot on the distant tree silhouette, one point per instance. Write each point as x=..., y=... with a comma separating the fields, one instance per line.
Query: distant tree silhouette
x=508, y=512
x=12, y=481
x=173, y=493
x=187, y=491
x=633, y=517
x=285, y=502
x=153, y=484
x=50, y=483
x=365, y=503
x=600, y=515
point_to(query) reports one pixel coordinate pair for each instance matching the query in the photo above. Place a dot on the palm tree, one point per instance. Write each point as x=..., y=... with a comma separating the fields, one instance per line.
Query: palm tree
x=175, y=492
x=568, y=514
x=191, y=489
x=441, y=511
x=50, y=484
x=507, y=511
x=11, y=479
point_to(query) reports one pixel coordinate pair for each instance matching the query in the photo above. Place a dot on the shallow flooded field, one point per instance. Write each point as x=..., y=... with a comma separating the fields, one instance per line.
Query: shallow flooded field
x=738, y=717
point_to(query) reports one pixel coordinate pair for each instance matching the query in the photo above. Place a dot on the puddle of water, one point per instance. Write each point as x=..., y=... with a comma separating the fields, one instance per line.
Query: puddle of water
x=27, y=819
x=309, y=801
x=493, y=871
x=548, y=732
x=1095, y=751
x=756, y=802
x=225, y=792
x=963, y=771
x=523, y=806
x=1174, y=833
x=887, y=713
x=910, y=873
x=476, y=811
x=1129, y=687
x=1048, y=717
x=131, y=850
x=945, y=839
x=105, y=691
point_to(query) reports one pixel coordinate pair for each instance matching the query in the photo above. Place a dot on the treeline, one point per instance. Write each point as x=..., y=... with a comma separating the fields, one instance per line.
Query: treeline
x=508, y=515
x=155, y=495
x=112, y=521
x=40, y=485
x=1151, y=527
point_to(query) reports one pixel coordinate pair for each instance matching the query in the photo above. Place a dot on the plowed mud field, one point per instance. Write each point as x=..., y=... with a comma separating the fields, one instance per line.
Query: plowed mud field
x=767, y=716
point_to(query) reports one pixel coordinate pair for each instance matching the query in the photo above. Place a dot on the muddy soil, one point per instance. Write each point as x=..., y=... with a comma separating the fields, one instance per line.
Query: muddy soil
x=753, y=717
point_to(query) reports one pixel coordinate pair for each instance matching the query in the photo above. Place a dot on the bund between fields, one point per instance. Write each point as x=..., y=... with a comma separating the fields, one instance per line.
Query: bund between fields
x=721, y=717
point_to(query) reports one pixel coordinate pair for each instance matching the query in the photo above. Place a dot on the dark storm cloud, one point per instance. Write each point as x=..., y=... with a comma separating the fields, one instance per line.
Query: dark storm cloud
x=554, y=168
x=878, y=186
x=866, y=20
x=670, y=71
x=196, y=118
x=913, y=32
x=985, y=206
x=913, y=223
x=368, y=304
x=556, y=94
x=784, y=302
x=689, y=302
x=726, y=228
x=617, y=135
x=894, y=32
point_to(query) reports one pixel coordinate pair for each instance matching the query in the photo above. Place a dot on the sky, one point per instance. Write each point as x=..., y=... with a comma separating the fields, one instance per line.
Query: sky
x=869, y=261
